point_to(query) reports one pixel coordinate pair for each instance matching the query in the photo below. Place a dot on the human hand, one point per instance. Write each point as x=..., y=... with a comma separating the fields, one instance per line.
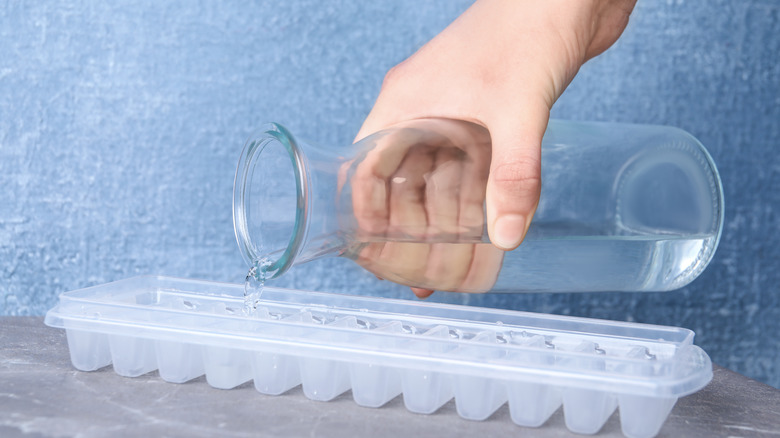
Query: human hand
x=416, y=193
x=501, y=65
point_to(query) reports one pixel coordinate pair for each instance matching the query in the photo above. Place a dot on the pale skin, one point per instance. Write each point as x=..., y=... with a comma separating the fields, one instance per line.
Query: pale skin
x=419, y=185
x=502, y=65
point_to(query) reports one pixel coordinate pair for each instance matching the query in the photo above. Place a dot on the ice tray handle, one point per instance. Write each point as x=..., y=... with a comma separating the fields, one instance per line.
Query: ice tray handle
x=693, y=370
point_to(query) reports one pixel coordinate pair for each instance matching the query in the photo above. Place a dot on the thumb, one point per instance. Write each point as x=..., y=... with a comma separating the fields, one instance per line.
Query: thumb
x=515, y=179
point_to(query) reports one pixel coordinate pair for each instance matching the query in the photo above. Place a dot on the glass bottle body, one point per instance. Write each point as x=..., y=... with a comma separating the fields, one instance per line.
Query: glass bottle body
x=622, y=207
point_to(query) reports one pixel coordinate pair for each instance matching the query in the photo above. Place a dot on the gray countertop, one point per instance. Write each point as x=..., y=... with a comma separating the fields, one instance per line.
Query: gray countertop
x=42, y=395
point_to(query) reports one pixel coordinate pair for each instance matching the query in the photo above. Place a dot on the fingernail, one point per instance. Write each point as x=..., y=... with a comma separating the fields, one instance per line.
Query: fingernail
x=508, y=231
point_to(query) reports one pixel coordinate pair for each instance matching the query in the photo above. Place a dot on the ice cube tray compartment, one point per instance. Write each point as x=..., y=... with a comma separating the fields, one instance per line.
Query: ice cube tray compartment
x=427, y=353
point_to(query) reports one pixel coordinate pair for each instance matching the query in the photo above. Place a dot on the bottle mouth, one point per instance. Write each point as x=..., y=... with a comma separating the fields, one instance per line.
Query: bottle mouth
x=270, y=201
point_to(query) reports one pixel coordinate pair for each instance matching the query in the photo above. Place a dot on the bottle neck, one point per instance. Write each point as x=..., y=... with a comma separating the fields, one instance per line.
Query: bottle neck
x=270, y=201
x=283, y=202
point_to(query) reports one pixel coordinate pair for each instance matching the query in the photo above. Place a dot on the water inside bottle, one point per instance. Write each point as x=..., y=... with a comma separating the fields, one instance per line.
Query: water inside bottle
x=552, y=258
x=606, y=263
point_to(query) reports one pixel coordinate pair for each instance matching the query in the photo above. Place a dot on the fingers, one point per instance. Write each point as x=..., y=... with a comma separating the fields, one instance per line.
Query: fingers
x=448, y=263
x=484, y=269
x=476, y=168
x=442, y=189
x=370, y=182
x=399, y=262
x=407, y=188
x=515, y=182
x=423, y=192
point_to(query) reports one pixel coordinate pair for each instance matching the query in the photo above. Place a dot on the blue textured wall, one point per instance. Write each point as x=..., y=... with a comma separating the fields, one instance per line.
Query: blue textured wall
x=121, y=125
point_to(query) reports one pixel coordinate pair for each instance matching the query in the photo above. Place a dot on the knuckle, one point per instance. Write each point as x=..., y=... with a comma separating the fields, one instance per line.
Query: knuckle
x=394, y=75
x=518, y=179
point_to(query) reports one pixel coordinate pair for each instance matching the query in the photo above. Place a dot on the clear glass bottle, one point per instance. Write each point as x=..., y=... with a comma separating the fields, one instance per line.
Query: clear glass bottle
x=623, y=207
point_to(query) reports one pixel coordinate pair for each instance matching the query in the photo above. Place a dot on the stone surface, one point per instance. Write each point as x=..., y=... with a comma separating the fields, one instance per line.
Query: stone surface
x=121, y=125
x=41, y=395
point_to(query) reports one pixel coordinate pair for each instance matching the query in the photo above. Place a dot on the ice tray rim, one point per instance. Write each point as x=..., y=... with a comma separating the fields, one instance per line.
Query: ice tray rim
x=56, y=319
x=74, y=296
x=684, y=336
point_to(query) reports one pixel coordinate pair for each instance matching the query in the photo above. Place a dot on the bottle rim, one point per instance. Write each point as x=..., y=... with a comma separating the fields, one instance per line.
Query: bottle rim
x=277, y=263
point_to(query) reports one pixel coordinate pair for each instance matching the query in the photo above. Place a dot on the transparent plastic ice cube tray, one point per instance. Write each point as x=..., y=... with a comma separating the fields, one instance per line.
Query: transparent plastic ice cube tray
x=380, y=348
